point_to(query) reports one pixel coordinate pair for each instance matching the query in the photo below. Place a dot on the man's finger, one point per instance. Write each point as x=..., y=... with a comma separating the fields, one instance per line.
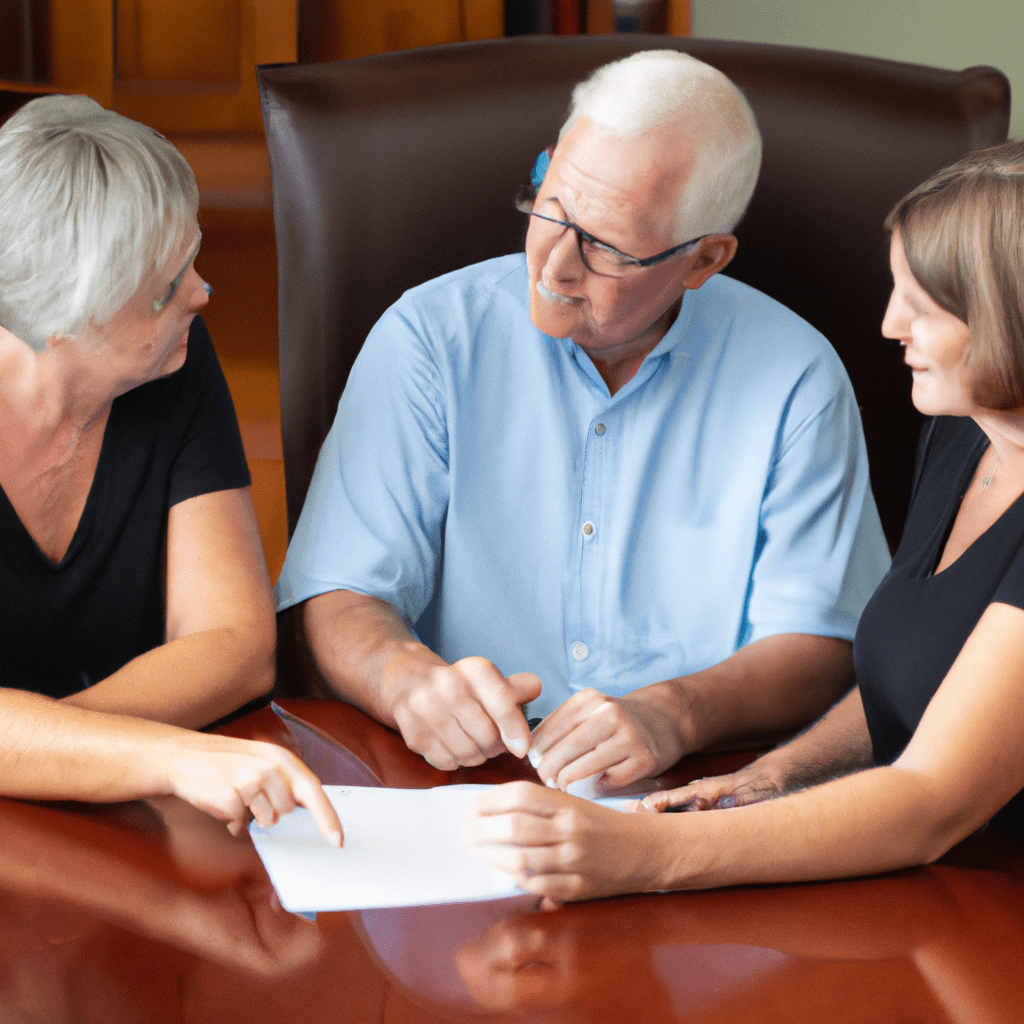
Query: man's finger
x=565, y=719
x=502, y=706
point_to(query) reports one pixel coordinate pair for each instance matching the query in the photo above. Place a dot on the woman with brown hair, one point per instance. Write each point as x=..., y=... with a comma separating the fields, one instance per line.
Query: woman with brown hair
x=929, y=745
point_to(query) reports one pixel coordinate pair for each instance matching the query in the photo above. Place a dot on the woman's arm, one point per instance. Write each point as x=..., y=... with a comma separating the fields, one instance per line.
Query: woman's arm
x=963, y=763
x=221, y=629
x=837, y=744
x=50, y=750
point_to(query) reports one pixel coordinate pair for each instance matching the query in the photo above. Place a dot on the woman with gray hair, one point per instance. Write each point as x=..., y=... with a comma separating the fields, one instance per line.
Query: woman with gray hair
x=134, y=586
x=929, y=745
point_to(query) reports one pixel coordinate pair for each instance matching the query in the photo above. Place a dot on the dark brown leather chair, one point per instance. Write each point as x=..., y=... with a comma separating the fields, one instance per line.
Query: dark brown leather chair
x=390, y=170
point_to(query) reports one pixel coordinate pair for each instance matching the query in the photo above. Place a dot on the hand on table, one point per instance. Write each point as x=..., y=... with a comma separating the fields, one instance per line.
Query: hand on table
x=233, y=780
x=465, y=713
x=748, y=785
x=563, y=848
x=619, y=739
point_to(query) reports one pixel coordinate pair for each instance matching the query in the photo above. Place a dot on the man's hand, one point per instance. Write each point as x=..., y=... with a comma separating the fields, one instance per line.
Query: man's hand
x=619, y=740
x=462, y=714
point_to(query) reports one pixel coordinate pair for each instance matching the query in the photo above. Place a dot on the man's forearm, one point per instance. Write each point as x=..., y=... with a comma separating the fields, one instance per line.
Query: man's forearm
x=359, y=644
x=765, y=690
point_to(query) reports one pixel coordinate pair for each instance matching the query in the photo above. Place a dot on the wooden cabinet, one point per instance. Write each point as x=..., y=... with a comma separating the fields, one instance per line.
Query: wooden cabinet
x=188, y=66
x=182, y=66
x=341, y=29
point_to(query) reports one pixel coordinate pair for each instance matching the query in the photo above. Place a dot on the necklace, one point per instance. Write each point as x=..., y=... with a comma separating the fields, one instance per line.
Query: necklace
x=986, y=480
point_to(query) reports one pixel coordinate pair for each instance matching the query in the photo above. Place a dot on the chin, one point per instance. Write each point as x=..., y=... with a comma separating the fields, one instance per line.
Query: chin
x=552, y=322
x=937, y=405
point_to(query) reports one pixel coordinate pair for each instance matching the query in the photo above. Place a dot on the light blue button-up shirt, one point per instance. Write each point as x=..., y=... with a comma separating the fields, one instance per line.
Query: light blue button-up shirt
x=612, y=541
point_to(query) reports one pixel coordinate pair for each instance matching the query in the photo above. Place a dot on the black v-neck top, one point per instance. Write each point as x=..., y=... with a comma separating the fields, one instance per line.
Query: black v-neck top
x=66, y=625
x=916, y=623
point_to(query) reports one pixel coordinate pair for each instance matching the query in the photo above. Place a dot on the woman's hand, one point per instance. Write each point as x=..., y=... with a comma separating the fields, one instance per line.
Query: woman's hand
x=748, y=785
x=564, y=848
x=233, y=780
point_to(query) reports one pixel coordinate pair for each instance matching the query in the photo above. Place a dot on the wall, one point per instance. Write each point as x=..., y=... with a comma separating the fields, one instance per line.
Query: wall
x=945, y=33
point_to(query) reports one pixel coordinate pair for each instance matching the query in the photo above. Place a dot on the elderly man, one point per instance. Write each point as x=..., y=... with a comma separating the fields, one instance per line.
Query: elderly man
x=630, y=494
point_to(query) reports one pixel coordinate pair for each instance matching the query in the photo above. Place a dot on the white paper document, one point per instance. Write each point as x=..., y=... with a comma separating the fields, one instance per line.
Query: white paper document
x=403, y=847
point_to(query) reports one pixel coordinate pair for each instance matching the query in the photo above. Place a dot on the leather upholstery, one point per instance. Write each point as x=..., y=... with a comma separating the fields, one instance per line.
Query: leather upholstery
x=390, y=170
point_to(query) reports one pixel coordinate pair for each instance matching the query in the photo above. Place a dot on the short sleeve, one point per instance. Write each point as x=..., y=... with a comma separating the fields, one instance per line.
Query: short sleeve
x=1011, y=586
x=374, y=515
x=821, y=549
x=210, y=455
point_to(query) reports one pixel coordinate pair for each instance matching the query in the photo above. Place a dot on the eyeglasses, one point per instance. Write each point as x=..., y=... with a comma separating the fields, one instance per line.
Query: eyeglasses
x=597, y=256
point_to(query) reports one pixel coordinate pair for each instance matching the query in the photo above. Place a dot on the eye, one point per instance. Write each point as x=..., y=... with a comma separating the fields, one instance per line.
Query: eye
x=166, y=297
x=601, y=247
x=172, y=288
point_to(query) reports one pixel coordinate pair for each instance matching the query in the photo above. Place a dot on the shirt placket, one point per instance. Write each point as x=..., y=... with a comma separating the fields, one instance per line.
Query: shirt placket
x=583, y=604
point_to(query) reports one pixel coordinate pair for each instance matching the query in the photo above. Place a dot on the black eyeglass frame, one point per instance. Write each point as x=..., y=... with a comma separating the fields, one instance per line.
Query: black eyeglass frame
x=524, y=204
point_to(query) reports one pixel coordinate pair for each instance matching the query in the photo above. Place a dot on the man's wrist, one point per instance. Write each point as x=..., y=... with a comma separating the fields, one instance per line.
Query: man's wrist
x=671, y=705
x=404, y=668
x=681, y=705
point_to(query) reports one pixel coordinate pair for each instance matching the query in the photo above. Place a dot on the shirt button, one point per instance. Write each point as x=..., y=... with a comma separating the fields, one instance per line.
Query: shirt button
x=588, y=528
x=579, y=651
x=599, y=429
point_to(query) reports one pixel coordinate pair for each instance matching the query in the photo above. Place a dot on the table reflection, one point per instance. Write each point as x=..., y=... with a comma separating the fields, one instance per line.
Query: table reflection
x=916, y=946
x=158, y=869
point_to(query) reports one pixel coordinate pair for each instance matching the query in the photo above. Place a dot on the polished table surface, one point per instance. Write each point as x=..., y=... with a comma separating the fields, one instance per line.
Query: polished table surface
x=150, y=912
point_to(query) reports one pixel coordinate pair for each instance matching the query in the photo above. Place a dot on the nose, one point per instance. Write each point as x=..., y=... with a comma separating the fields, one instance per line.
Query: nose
x=894, y=322
x=200, y=291
x=564, y=262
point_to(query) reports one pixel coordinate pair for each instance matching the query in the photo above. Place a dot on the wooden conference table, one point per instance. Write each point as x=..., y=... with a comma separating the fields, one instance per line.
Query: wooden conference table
x=150, y=912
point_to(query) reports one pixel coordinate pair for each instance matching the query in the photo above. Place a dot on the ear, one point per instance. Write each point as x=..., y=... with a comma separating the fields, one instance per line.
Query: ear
x=714, y=253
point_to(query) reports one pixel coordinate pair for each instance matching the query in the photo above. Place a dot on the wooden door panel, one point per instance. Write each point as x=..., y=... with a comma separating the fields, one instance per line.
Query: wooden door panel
x=178, y=41
x=182, y=66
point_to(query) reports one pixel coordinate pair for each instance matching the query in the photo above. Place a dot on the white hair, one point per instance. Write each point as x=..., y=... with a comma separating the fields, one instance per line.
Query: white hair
x=90, y=201
x=666, y=89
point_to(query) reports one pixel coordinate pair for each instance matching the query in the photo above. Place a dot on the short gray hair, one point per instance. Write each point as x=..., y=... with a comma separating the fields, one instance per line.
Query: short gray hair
x=90, y=201
x=665, y=89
